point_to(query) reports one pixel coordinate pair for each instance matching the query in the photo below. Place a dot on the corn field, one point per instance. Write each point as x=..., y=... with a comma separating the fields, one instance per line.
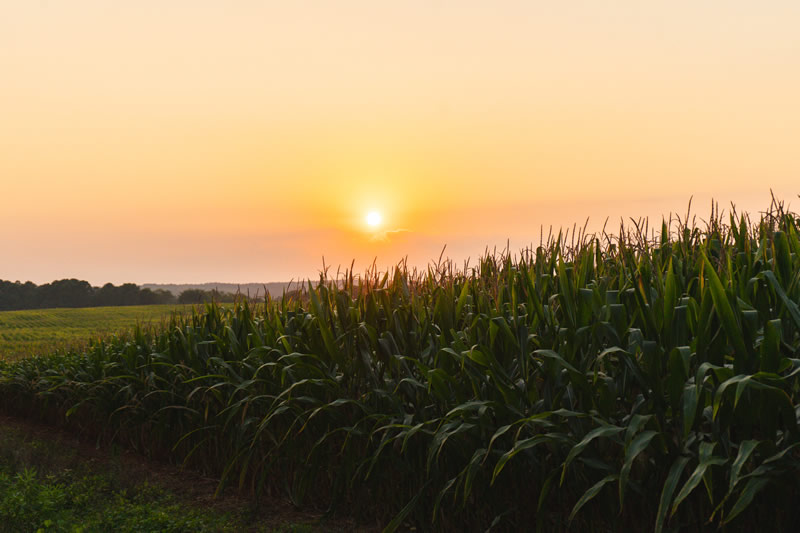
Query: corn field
x=645, y=381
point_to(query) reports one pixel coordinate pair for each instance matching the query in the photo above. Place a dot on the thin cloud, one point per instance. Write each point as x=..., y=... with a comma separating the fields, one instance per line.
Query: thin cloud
x=386, y=236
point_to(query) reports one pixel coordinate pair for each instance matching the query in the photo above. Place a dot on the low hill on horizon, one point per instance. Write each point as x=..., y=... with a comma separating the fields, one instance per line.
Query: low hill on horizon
x=254, y=290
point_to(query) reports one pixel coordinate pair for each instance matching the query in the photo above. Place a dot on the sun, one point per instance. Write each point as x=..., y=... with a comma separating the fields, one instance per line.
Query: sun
x=374, y=219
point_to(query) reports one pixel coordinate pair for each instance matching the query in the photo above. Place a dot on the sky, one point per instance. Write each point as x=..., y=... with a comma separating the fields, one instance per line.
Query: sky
x=194, y=141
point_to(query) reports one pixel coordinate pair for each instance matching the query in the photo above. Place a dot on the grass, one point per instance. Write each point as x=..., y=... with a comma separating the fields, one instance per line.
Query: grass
x=649, y=380
x=66, y=502
x=50, y=481
x=41, y=331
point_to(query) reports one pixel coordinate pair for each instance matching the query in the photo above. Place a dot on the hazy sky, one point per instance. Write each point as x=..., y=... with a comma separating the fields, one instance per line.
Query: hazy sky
x=190, y=141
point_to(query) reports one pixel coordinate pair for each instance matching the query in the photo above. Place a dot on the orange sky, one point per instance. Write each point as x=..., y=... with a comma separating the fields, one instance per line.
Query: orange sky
x=192, y=141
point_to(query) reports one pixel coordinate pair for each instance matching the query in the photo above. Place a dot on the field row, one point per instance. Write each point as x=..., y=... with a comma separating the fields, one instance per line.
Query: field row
x=620, y=383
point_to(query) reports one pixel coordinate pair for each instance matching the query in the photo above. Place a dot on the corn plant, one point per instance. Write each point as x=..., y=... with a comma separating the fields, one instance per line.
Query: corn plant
x=646, y=380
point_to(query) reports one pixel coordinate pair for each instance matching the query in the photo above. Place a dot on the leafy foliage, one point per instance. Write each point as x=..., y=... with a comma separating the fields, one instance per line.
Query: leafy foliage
x=29, y=502
x=650, y=382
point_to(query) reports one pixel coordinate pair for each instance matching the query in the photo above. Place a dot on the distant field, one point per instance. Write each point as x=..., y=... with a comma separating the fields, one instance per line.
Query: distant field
x=34, y=331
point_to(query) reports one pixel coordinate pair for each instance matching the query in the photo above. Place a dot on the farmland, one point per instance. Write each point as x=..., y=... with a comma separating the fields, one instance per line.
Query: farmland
x=39, y=331
x=599, y=382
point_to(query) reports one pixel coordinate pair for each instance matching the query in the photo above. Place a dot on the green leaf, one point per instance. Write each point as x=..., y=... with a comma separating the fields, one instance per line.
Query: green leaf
x=634, y=426
x=791, y=306
x=742, y=382
x=745, y=449
x=397, y=521
x=518, y=447
x=462, y=299
x=543, y=493
x=753, y=487
x=668, y=490
x=550, y=354
x=477, y=356
x=324, y=328
x=678, y=373
x=696, y=478
x=771, y=346
x=670, y=298
x=725, y=312
x=690, y=399
x=603, y=431
x=591, y=493
x=637, y=446
x=783, y=257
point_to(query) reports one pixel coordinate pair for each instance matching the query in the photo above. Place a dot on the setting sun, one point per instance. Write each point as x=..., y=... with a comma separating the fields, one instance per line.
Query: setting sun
x=374, y=219
x=417, y=223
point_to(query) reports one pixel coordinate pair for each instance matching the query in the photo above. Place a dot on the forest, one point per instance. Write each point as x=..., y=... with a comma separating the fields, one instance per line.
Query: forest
x=79, y=293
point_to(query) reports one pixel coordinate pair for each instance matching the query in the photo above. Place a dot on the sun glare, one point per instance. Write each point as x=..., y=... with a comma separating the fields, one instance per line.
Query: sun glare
x=374, y=219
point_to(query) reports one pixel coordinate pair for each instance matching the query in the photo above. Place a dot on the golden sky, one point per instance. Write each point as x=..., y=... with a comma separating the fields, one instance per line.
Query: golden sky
x=191, y=141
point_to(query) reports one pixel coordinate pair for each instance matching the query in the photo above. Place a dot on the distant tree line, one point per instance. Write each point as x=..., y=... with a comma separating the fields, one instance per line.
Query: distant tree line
x=198, y=296
x=78, y=293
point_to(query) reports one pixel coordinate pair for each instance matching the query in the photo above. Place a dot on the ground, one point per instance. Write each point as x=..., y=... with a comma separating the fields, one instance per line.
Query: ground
x=51, y=480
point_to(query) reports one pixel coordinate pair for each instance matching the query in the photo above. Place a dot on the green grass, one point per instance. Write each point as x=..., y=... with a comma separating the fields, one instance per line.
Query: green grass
x=643, y=382
x=49, y=483
x=69, y=503
x=40, y=331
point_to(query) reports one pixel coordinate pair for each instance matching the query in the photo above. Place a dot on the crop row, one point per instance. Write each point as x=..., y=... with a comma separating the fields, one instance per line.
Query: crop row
x=647, y=383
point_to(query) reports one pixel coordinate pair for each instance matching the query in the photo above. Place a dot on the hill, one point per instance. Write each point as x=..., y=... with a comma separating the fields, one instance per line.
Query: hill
x=255, y=290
